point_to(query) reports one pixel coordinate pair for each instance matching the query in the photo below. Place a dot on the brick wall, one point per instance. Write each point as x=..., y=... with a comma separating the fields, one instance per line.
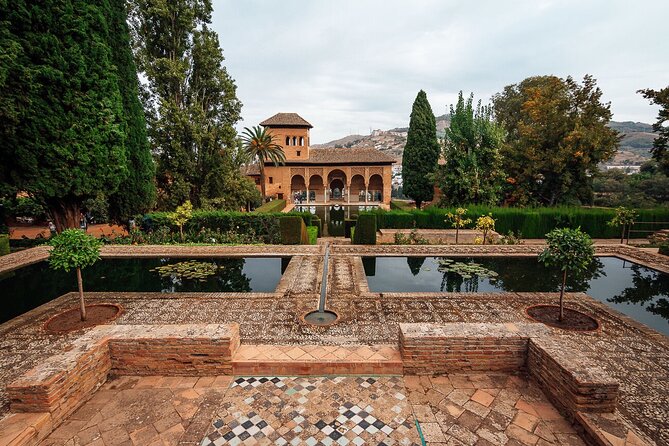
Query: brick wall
x=63, y=382
x=571, y=380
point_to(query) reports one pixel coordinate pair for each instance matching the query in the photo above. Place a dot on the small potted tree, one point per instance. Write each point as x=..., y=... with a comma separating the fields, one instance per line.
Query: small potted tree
x=458, y=221
x=571, y=251
x=74, y=249
x=485, y=224
x=624, y=218
x=181, y=216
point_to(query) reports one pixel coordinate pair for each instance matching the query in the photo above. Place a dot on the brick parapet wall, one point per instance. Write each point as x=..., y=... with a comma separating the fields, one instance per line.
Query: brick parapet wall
x=64, y=381
x=571, y=380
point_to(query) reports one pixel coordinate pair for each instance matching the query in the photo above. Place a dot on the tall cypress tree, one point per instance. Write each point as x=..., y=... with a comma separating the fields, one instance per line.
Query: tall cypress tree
x=421, y=152
x=137, y=194
x=63, y=141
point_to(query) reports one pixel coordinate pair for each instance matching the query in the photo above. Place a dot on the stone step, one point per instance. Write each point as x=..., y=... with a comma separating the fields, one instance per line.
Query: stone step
x=301, y=360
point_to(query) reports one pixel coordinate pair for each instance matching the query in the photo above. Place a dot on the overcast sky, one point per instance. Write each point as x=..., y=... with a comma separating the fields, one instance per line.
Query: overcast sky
x=348, y=66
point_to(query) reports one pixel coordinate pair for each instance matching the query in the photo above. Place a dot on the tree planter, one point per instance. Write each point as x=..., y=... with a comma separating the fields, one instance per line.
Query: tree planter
x=70, y=320
x=573, y=320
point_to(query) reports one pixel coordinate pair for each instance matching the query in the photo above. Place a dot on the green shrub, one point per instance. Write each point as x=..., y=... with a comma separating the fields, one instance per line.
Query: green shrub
x=365, y=230
x=312, y=232
x=264, y=225
x=293, y=230
x=348, y=224
x=316, y=221
x=4, y=244
x=664, y=249
x=531, y=222
x=272, y=206
x=400, y=205
x=352, y=233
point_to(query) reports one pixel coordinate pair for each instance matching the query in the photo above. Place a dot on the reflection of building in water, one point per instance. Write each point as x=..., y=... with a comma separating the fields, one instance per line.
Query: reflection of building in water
x=319, y=176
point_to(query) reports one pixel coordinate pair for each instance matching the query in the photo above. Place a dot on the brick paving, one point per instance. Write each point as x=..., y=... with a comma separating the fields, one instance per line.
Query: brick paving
x=630, y=353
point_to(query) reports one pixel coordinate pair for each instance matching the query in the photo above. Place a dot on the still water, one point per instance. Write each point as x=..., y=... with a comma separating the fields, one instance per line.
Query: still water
x=639, y=292
x=27, y=288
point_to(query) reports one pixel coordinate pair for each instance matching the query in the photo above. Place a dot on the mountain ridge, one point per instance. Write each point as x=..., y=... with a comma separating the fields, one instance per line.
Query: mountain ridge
x=637, y=140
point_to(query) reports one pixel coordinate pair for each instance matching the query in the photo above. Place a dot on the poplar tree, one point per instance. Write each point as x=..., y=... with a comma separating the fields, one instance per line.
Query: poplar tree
x=190, y=99
x=421, y=152
x=61, y=121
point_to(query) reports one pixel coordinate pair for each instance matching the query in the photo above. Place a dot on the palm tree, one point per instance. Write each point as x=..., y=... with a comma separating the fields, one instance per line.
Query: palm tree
x=260, y=145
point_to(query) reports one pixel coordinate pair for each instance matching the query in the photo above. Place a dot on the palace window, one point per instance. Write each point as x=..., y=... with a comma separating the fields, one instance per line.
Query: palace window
x=271, y=180
x=294, y=140
x=301, y=140
x=298, y=153
x=287, y=140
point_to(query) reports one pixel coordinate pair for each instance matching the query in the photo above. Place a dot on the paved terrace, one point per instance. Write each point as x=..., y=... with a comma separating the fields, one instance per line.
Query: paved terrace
x=634, y=355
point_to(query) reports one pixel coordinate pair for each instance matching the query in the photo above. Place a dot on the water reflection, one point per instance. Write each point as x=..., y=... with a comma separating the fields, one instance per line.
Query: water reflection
x=650, y=287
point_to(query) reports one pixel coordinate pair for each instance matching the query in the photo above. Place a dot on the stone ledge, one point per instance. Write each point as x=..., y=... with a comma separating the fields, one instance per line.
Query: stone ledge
x=64, y=381
x=570, y=380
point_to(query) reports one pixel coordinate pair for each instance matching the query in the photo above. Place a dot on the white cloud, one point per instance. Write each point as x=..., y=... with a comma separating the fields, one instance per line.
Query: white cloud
x=349, y=66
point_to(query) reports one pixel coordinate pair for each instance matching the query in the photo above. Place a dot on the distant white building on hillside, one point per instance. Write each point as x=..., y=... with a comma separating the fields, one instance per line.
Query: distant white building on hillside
x=629, y=170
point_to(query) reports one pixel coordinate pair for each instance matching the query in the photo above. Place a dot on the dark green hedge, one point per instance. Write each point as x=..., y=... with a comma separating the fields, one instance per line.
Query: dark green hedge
x=531, y=222
x=264, y=225
x=293, y=230
x=316, y=221
x=4, y=244
x=365, y=230
x=272, y=206
x=664, y=249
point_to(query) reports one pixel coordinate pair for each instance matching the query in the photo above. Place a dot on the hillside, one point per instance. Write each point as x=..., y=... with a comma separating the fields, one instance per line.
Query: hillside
x=634, y=146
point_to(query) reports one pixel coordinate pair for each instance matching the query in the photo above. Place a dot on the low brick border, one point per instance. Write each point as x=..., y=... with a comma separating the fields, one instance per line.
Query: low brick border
x=573, y=382
x=119, y=312
x=597, y=328
x=62, y=383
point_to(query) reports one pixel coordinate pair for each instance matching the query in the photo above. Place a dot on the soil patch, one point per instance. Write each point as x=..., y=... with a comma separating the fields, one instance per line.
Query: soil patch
x=70, y=320
x=573, y=320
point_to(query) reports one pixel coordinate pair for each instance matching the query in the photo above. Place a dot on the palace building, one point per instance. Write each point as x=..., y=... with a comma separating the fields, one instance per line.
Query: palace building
x=320, y=176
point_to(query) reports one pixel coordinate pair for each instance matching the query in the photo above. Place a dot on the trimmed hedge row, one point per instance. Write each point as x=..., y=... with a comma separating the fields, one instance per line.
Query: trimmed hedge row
x=4, y=244
x=264, y=225
x=365, y=230
x=293, y=231
x=272, y=206
x=312, y=232
x=530, y=222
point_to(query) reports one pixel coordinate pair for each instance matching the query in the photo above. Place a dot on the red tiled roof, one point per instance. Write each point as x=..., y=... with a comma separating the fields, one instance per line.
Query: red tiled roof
x=286, y=119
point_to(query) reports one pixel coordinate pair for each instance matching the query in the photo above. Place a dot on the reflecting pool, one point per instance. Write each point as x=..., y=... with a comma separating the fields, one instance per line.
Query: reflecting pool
x=27, y=288
x=333, y=216
x=639, y=292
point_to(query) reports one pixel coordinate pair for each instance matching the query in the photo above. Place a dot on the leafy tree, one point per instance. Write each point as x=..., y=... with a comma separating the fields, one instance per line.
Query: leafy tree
x=625, y=219
x=472, y=172
x=181, y=216
x=458, y=221
x=660, y=148
x=421, y=152
x=189, y=98
x=61, y=110
x=74, y=249
x=485, y=224
x=259, y=144
x=137, y=193
x=557, y=135
x=570, y=250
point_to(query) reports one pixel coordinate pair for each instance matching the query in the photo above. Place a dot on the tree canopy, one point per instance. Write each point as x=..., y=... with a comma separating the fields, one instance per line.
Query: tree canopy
x=61, y=110
x=472, y=172
x=660, y=148
x=190, y=99
x=421, y=152
x=557, y=135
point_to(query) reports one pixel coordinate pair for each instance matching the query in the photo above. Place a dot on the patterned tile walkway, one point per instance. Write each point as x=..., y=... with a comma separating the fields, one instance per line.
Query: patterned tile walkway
x=314, y=411
x=476, y=409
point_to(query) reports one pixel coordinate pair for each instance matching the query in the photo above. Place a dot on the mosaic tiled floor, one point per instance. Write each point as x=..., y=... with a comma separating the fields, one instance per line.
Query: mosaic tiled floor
x=314, y=411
